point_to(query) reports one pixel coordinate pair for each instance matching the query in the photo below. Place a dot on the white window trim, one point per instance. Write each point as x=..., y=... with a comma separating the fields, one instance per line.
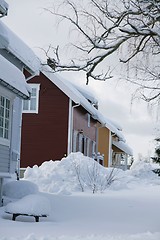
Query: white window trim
x=37, y=86
x=10, y=96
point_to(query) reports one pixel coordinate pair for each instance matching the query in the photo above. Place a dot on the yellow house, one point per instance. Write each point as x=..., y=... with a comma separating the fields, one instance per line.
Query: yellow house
x=112, y=145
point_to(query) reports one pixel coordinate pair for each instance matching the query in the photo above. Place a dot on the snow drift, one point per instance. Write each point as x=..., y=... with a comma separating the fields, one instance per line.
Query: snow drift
x=77, y=173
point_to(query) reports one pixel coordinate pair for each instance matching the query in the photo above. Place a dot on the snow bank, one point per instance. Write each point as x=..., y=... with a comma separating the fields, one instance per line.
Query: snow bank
x=32, y=204
x=142, y=169
x=78, y=173
x=72, y=174
x=129, y=214
x=19, y=189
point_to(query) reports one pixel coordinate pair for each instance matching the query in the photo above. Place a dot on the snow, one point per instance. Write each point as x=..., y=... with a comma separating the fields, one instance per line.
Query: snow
x=18, y=189
x=13, y=44
x=128, y=209
x=87, y=94
x=123, y=146
x=32, y=204
x=13, y=78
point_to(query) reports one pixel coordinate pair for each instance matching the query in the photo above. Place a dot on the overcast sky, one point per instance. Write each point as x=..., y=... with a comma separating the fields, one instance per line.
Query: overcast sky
x=38, y=29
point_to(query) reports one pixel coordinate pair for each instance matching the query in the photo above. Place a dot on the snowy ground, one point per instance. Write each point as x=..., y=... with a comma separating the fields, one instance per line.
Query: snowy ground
x=128, y=209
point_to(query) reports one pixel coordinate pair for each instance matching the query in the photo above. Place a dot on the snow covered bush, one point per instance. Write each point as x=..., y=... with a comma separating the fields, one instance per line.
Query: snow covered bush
x=73, y=173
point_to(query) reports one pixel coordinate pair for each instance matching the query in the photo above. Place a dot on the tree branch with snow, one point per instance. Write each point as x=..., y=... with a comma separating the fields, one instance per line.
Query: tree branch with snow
x=103, y=28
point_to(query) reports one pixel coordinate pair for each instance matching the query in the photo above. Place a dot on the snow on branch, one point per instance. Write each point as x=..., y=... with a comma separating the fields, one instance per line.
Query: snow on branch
x=102, y=28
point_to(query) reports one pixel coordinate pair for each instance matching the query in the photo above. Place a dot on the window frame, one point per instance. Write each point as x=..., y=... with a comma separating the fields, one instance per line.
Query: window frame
x=37, y=87
x=9, y=96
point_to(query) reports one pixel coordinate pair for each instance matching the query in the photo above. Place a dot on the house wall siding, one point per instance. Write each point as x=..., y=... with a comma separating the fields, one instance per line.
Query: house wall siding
x=4, y=159
x=80, y=122
x=45, y=135
x=103, y=143
x=84, y=132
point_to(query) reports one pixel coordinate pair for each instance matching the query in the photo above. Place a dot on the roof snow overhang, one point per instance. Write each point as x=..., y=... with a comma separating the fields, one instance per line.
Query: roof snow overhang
x=17, y=52
x=3, y=8
x=13, y=79
x=123, y=147
x=87, y=94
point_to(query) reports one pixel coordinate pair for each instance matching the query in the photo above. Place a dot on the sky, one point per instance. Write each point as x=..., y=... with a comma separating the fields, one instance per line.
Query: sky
x=39, y=29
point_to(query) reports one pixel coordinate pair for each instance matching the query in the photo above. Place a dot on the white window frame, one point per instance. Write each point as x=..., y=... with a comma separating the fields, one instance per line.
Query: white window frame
x=7, y=95
x=37, y=87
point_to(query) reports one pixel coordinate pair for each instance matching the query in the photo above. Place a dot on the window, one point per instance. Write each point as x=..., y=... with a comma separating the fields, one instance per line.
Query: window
x=83, y=144
x=4, y=117
x=31, y=105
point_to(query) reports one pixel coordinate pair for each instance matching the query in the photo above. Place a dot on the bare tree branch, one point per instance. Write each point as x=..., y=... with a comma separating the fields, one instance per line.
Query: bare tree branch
x=102, y=28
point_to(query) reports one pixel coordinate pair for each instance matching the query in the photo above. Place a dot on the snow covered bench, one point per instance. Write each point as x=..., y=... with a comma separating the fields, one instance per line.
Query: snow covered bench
x=23, y=214
x=31, y=205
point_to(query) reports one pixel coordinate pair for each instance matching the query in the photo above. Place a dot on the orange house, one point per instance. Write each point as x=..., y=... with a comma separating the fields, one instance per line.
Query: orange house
x=113, y=145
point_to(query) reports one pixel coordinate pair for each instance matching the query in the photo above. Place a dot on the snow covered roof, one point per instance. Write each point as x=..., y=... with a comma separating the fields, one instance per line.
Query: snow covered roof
x=111, y=126
x=73, y=93
x=123, y=146
x=3, y=8
x=10, y=42
x=13, y=79
x=87, y=94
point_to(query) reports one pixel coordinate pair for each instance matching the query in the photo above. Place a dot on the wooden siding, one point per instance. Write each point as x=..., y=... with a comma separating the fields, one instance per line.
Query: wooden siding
x=103, y=143
x=4, y=159
x=80, y=123
x=45, y=135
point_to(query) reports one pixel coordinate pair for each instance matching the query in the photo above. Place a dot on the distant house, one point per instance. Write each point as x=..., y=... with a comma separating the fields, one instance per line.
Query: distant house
x=111, y=147
x=112, y=144
x=13, y=89
x=57, y=120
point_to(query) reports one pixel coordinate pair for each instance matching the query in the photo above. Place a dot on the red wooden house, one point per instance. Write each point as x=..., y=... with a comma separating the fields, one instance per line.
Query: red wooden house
x=57, y=120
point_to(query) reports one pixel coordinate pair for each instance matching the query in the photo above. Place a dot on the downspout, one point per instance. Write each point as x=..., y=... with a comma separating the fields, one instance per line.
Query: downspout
x=70, y=126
